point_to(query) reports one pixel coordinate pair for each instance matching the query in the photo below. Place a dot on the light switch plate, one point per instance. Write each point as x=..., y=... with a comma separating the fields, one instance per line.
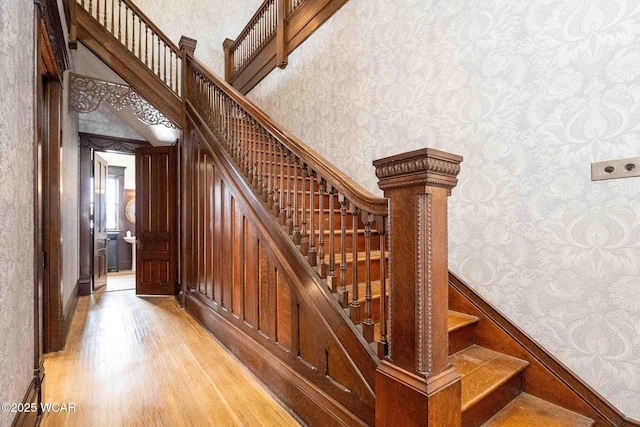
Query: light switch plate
x=614, y=169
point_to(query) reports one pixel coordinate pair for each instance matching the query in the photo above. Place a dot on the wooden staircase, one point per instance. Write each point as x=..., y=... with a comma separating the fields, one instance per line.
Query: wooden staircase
x=286, y=261
x=493, y=383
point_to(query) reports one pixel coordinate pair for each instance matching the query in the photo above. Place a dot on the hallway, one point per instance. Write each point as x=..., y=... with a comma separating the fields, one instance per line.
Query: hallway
x=144, y=361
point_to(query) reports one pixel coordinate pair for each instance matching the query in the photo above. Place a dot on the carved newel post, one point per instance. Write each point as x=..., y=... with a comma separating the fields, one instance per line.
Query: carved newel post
x=415, y=385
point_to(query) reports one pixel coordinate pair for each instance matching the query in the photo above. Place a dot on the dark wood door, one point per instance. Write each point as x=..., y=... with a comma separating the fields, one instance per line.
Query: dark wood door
x=100, y=237
x=156, y=221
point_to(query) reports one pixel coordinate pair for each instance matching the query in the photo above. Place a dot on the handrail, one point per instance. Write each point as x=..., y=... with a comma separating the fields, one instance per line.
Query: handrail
x=363, y=198
x=314, y=202
x=141, y=37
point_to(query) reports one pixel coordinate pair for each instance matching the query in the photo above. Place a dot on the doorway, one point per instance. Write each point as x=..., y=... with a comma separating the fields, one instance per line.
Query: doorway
x=120, y=228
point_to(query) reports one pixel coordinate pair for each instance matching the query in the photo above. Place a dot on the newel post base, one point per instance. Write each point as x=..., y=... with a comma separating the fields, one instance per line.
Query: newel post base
x=415, y=384
x=406, y=399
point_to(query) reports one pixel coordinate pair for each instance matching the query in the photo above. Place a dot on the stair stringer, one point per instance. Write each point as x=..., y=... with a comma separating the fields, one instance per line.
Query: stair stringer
x=337, y=386
x=545, y=377
x=113, y=53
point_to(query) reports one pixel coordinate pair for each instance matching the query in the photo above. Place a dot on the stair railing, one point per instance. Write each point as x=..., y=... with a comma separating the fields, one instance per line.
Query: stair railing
x=260, y=29
x=339, y=226
x=141, y=37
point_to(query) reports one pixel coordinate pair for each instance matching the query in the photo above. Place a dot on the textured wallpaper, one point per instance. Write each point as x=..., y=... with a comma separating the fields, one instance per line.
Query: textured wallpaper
x=16, y=201
x=530, y=93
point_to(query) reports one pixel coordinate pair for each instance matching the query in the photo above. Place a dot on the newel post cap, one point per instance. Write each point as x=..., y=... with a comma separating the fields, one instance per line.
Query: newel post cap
x=426, y=166
x=188, y=44
x=227, y=43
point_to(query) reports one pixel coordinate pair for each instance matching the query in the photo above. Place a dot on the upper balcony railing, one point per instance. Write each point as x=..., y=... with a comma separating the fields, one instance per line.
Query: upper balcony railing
x=274, y=31
x=141, y=37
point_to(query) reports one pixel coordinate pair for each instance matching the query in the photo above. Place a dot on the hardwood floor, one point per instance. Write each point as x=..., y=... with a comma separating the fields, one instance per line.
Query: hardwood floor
x=144, y=361
x=119, y=281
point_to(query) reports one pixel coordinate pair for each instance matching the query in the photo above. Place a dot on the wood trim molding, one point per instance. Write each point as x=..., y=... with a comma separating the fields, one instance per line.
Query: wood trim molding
x=70, y=311
x=582, y=397
x=31, y=398
x=110, y=143
x=53, y=23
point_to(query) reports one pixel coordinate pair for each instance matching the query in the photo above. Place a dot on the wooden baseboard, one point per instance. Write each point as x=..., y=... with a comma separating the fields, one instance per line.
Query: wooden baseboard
x=84, y=286
x=69, y=312
x=298, y=394
x=31, y=418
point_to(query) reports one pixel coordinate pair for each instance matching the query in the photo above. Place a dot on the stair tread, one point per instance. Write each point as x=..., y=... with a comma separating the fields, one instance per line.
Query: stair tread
x=483, y=371
x=457, y=320
x=526, y=410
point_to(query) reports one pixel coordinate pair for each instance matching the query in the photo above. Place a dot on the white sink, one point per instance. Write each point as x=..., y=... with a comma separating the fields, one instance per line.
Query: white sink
x=132, y=241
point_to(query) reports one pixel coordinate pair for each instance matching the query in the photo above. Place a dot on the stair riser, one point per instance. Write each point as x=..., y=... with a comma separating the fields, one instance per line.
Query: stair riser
x=461, y=338
x=486, y=408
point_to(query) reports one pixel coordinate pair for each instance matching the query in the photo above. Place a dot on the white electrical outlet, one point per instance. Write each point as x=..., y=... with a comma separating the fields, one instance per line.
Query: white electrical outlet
x=614, y=169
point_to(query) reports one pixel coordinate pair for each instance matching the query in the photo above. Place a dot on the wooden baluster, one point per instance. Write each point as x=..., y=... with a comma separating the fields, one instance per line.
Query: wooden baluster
x=113, y=14
x=367, y=324
x=304, y=242
x=275, y=208
x=417, y=371
x=245, y=149
x=312, y=229
x=120, y=23
x=98, y=10
x=153, y=52
x=354, y=307
x=343, y=291
x=289, y=220
x=332, y=281
x=91, y=7
x=322, y=266
x=146, y=44
x=265, y=165
x=164, y=64
x=283, y=212
x=172, y=84
x=139, y=39
x=296, y=214
x=256, y=156
x=256, y=137
x=268, y=195
x=383, y=344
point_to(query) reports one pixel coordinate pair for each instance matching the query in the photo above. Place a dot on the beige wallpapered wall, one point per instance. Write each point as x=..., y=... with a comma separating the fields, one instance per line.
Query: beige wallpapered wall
x=16, y=202
x=530, y=93
x=209, y=22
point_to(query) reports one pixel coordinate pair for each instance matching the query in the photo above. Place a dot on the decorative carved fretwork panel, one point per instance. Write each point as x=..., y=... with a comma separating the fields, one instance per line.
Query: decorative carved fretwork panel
x=110, y=143
x=86, y=94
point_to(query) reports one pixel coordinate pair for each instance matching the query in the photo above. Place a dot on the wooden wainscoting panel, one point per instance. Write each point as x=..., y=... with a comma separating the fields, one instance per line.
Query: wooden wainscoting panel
x=269, y=299
x=283, y=312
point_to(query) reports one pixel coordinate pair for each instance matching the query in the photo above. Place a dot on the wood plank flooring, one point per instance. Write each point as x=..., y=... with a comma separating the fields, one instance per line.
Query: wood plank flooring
x=133, y=361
